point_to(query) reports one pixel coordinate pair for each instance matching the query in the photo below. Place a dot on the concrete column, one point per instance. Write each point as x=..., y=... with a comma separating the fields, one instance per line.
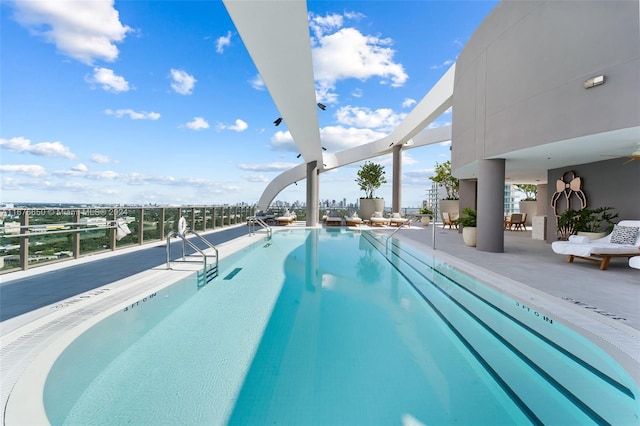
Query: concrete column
x=541, y=198
x=312, y=193
x=491, y=205
x=396, y=203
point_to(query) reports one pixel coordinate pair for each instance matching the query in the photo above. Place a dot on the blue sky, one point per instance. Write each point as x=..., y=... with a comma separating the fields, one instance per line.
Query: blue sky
x=138, y=102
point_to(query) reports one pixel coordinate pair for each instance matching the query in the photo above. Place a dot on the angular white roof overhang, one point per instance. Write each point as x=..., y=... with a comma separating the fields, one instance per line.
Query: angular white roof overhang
x=276, y=34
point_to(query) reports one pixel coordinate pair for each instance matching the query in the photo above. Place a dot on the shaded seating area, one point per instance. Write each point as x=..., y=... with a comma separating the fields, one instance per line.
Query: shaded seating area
x=623, y=242
x=450, y=220
x=515, y=221
x=377, y=219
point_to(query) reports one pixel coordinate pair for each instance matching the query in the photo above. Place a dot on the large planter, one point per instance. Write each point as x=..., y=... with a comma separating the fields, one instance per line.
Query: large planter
x=451, y=206
x=425, y=220
x=592, y=235
x=370, y=205
x=531, y=209
x=469, y=235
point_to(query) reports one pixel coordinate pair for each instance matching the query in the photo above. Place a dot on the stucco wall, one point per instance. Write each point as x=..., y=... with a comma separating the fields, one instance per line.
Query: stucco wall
x=519, y=80
x=604, y=183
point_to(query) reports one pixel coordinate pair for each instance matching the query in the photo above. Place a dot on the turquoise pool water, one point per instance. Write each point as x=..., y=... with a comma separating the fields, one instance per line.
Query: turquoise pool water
x=318, y=327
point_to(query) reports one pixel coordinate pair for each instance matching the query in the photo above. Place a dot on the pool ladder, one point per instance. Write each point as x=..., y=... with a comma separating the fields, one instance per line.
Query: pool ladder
x=209, y=272
x=262, y=223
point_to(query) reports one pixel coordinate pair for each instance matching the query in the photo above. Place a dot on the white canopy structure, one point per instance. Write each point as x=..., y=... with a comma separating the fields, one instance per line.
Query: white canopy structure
x=277, y=36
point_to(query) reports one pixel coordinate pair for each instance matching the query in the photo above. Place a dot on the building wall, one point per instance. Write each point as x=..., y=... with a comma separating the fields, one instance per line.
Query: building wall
x=519, y=80
x=604, y=183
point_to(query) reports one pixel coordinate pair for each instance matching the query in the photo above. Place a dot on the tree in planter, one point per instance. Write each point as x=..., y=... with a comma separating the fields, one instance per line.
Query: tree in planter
x=530, y=191
x=444, y=178
x=371, y=177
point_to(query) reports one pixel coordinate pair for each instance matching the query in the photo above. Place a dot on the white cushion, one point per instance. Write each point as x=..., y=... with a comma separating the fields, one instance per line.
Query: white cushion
x=579, y=239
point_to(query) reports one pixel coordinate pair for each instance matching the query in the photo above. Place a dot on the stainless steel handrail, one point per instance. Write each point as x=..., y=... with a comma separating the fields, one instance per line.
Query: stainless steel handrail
x=193, y=246
x=386, y=244
x=262, y=223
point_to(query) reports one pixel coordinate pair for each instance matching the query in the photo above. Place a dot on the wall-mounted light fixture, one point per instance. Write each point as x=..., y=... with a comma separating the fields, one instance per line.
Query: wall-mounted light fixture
x=298, y=156
x=324, y=149
x=595, y=81
x=322, y=106
x=278, y=121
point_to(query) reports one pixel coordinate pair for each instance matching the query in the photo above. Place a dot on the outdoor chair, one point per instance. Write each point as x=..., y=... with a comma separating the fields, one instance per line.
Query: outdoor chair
x=515, y=221
x=448, y=219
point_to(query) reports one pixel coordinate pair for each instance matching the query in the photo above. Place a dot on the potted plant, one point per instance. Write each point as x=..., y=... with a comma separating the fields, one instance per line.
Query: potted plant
x=443, y=177
x=529, y=203
x=371, y=176
x=425, y=215
x=468, y=221
x=594, y=223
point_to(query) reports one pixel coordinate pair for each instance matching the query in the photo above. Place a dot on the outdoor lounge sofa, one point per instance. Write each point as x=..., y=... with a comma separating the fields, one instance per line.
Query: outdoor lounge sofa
x=333, y=219
x=286, y=219
x=397, y=220
x=624, y=241
x=353, y=220
x=378, y=220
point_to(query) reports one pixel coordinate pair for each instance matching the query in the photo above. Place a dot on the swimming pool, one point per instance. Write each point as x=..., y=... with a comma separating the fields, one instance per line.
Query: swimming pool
x=318, y=327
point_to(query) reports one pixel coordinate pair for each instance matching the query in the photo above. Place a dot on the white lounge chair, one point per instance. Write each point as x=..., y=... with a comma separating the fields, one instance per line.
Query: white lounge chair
x=286, y=219
x=397, y=220
x=603, y=249
x=333, y=219
x=353, y=220
x=378, y=220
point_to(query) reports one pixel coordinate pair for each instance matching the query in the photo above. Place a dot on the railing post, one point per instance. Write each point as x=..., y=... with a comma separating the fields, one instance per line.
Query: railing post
x=112, y=233
x=193, y=218
x=141, y=227
x=161, y=223
x=24, y=241
x=75, y=237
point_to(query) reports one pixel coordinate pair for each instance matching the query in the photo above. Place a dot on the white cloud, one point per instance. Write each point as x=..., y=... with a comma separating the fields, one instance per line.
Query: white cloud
x=408, y=102
x=134, y=115
x=271, y=167
x=80, y=168
x=282, y=141
x=32, y=170
x=445, y=64
x=101, y=159
x=382, y=118
x=43, y=149
x=256, y=178
x=198, y=123
x=83, y=30
x=238, y=126
x=223, y=42
x=108, y=80
x=338, y=138
x=257, y=82
x=183, y=82
x=342, y=53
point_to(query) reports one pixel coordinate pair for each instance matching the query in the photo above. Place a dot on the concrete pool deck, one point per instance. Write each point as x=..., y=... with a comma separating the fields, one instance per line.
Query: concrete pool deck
x=613, y=295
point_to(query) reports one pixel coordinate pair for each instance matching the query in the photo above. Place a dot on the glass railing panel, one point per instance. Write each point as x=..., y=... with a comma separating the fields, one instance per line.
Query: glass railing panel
x=151, y=224
x=43, y=247
x=171, y=218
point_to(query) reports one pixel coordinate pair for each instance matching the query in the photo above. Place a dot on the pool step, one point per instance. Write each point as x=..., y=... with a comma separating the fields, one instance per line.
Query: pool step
x=555, y=384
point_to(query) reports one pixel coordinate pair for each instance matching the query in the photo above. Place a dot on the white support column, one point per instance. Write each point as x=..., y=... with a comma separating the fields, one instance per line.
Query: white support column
x=396, y=203
x=312, y=193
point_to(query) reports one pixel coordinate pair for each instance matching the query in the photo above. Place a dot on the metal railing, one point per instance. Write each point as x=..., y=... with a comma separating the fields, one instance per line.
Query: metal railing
x=252, y=225
x=208, y=273
x=39, y=236
x=386, y=243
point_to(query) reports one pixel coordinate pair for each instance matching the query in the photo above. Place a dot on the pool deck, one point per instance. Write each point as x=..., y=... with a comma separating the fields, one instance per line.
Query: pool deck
x=72, y=288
